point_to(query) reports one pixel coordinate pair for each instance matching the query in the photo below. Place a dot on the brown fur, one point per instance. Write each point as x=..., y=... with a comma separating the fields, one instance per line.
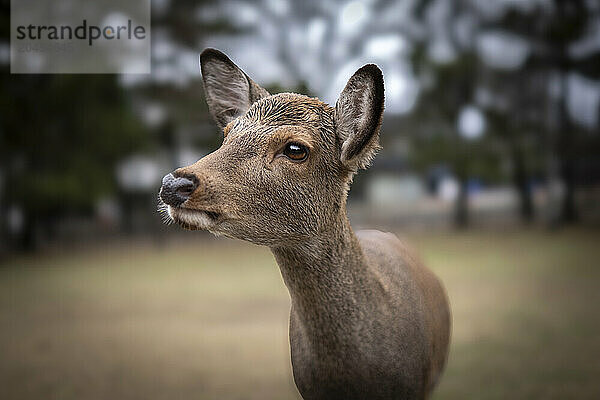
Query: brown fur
x=368, y=320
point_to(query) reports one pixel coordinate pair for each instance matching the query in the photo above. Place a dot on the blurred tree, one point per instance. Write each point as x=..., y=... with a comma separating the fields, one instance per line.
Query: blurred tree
x=60, y=137
x=58, y=148
x=449, y=69
x=436, y=138
x=175, y=87
x=506, y=58
x=555, y=34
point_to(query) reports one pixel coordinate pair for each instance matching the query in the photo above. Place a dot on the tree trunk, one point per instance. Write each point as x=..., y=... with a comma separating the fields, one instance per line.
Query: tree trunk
x=521, y=182
x=461, y=210
x=568, y=213
x=28, y=240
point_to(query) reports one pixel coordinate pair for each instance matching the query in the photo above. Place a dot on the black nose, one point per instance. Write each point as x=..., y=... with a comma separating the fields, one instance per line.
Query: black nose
x=176, y=190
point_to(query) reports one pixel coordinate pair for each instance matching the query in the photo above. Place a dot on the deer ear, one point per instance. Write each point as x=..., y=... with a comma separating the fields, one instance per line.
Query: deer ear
x=229, y=91
x=358, y=114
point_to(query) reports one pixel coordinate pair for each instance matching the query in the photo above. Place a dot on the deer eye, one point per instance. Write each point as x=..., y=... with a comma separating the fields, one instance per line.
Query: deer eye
x=295, y=151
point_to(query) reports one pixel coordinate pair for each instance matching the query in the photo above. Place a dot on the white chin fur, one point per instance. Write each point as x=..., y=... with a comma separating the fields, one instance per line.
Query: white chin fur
x=193, y=218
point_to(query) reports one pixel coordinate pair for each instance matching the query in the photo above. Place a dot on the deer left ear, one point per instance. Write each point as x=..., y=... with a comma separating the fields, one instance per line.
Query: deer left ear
x=358, y=115
x=229, y=91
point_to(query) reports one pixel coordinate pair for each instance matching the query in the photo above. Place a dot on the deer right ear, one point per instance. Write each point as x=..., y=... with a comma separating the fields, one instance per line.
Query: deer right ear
x=358, y=114
x=229, y=91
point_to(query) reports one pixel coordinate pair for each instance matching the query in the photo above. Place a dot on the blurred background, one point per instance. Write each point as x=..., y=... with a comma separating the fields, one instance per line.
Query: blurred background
x=490, y=167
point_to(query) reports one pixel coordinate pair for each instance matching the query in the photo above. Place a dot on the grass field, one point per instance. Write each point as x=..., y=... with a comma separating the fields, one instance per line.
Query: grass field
x=207, y=319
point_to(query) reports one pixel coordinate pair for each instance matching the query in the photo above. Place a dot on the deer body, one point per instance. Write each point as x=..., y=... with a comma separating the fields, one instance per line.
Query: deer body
x=363, y=324
x=367, y=320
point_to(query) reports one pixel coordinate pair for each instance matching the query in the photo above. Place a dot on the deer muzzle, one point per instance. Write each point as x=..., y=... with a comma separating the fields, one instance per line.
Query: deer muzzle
x=176, y=190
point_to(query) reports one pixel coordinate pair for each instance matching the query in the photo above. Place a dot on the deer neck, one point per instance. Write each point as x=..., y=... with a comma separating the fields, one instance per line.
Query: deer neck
x=327, y=277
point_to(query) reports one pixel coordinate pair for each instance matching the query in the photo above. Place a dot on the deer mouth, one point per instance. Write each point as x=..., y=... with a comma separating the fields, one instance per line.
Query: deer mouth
x=194, y=219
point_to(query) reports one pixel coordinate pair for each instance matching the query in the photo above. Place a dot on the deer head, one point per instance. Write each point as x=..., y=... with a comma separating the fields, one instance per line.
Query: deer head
x=286, y=162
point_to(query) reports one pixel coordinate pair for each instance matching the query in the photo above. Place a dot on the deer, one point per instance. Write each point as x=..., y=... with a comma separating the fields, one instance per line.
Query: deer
x=368, y=319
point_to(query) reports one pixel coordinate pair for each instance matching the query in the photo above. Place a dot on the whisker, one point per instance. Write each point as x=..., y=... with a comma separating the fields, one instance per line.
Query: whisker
x=163, y=210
